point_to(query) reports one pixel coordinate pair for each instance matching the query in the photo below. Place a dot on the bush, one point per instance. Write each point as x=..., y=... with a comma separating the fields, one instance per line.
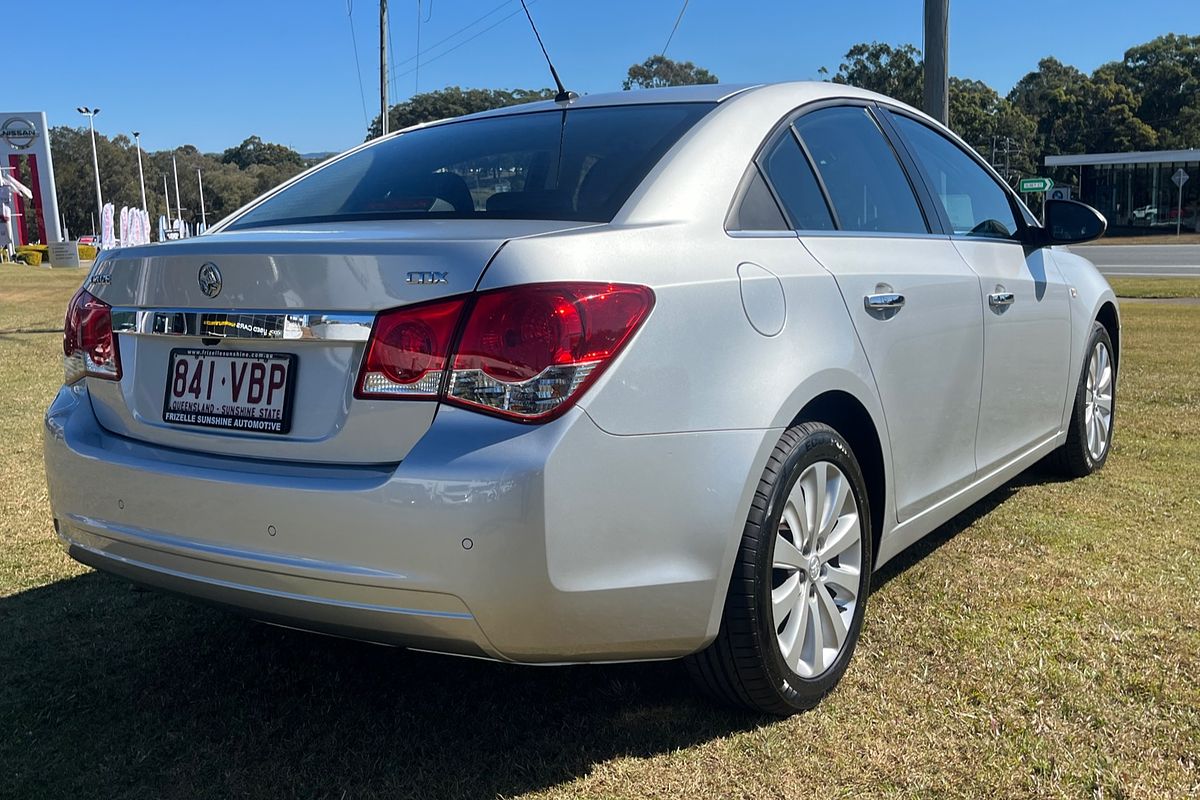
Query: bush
x=31, y=257
x=87, y=252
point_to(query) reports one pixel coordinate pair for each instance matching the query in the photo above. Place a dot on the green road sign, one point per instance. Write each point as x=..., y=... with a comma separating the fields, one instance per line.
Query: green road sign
x=1036, y=184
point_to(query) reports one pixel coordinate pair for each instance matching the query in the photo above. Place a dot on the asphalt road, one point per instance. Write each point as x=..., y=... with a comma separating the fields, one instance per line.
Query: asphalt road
x=1143, y=259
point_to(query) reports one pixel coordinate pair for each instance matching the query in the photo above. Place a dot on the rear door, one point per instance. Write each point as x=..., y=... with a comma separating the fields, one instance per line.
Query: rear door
x=1026, y=308
x=913, y=301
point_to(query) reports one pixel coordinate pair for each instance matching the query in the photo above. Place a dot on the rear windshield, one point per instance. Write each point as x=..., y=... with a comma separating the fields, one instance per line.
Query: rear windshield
x=580, y=164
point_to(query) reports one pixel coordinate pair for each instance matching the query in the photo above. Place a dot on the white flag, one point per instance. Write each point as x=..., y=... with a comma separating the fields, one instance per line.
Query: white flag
x=107, y=236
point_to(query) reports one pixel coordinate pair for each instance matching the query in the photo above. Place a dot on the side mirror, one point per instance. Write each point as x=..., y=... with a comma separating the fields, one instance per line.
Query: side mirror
x=1067, y=222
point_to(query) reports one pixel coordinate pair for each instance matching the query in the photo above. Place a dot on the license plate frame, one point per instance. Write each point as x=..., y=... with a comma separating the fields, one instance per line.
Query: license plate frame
x=214, y=418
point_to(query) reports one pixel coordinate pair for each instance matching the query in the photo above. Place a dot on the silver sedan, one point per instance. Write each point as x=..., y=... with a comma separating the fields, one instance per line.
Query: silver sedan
x=658, y=374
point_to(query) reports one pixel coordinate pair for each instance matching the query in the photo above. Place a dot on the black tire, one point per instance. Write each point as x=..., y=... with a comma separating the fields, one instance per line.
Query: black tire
x=744, y=665
x=1074, y=459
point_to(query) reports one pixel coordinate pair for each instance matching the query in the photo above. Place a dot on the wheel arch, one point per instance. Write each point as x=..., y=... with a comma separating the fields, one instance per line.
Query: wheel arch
x=844, y=413
x=1107, y=316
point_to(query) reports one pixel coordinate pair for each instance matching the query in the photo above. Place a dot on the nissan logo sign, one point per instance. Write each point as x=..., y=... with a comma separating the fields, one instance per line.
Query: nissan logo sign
x=18, y=132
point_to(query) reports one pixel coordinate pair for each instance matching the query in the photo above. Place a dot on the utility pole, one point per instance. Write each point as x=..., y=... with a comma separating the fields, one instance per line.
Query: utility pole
x=383, y=104
x=937, y=60
x=137, y=138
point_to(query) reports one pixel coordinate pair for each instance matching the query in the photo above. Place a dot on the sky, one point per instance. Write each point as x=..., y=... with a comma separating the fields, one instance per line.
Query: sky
x=213, y=72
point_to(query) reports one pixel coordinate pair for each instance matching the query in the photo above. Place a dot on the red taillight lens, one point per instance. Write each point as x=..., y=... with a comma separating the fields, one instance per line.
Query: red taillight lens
x=407, y=354
x=525, y=352
x=528, y=352
x=89, y=346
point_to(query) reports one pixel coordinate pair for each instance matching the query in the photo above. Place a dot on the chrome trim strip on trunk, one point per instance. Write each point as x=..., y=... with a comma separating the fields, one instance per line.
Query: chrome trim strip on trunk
x=327, y=326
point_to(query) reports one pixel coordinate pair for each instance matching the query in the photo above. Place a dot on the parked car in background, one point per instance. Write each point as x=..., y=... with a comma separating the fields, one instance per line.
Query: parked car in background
x=90, y=240
x=1146, y=213
x=690, y=368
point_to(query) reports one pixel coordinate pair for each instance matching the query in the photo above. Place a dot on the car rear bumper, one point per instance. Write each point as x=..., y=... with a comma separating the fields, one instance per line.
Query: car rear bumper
x=551, y=543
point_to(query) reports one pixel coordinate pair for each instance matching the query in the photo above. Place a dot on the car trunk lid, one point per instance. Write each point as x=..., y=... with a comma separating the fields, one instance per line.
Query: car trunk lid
x=299, y=302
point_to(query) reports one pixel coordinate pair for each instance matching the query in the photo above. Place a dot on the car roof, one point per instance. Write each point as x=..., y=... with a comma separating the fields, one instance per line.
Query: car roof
x=700, y=93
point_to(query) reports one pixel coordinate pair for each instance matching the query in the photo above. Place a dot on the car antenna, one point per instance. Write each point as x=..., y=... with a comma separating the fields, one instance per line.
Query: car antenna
x=563, y=95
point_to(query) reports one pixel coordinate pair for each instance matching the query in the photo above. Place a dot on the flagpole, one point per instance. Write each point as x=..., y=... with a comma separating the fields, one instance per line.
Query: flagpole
x=203, y=216
x=178, y=207
x=137, y=138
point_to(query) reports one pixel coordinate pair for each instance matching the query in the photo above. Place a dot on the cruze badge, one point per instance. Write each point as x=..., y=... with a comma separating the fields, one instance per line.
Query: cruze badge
x=423, y=278
x=210, y=279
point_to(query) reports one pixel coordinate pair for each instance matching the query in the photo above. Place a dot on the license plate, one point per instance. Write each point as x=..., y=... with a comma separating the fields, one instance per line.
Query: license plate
x=230, y=389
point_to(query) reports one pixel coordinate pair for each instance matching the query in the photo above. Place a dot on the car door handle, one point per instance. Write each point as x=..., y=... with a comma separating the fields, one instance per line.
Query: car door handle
x=1001, y=299
x=884, y=302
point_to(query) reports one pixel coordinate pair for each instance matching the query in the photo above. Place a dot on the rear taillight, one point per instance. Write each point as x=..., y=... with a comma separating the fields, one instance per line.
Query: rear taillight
x=407, y=354
x=529, y=351
x=524, y=352
x=89, y=347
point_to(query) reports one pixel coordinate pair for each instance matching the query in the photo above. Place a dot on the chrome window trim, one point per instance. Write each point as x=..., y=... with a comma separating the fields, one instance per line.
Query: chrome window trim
x=323, y=326
x=876, y=235
x=738, y=234
x=963, y=237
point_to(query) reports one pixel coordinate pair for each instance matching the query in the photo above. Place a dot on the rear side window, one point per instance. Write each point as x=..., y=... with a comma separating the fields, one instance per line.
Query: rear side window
x=793, y=179
x=974, y=202
x=866, y=184
x=757, y=209
x=581, y=164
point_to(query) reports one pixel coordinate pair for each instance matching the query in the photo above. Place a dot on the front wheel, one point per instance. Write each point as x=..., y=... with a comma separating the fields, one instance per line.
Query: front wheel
x=1089, y=435
x=800, y=582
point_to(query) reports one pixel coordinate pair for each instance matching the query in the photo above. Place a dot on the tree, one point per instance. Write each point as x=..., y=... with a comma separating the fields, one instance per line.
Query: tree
x=658, y=71
x=453, y=101
x=878, y=67
x=996, y=128
x=255, y=151
x=1033, y=94
x=1164, y=76
x=227, y=185
x=977, y=112
x=1077, y=113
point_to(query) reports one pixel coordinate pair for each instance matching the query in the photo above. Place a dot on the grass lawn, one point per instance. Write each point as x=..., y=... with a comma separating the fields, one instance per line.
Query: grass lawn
x=1044, y=644
x=1155, y=288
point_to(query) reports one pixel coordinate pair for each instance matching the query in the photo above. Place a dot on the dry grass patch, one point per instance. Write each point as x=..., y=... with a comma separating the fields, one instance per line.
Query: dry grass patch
x=1045, y=644
x=1169, y=238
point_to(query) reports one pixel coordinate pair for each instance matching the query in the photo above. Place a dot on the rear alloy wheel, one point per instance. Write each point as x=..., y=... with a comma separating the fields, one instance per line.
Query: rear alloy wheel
x=816, y=569
x=1089, y=435
x=800, y=583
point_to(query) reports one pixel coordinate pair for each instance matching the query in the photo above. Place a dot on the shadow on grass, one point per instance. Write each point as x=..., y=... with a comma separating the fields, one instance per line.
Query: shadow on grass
x=113, y=691
x=1037, y=474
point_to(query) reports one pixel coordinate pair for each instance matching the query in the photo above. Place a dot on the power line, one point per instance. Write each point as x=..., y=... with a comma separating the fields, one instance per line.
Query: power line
x=417, y=77
x=440, y=42
x=362, y=96
x=395, y=81
x=675, y=28
x=469, y=39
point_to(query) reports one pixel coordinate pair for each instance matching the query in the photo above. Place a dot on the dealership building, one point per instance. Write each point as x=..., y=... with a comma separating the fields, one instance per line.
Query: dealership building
x=1134, y=191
